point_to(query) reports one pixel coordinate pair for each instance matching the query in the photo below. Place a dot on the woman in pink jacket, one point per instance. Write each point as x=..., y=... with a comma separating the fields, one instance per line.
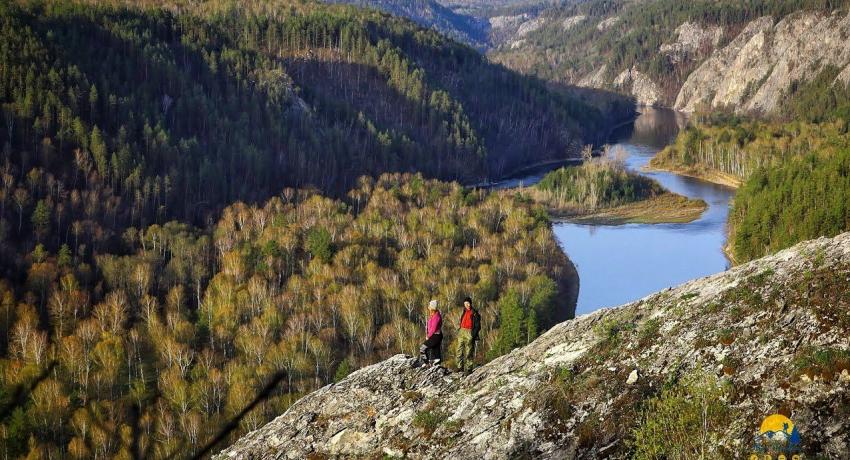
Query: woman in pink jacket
x=433, y=335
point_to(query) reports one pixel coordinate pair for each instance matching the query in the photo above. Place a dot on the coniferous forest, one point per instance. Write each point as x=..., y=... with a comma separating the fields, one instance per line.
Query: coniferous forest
x=120, y=117
x=192, y=206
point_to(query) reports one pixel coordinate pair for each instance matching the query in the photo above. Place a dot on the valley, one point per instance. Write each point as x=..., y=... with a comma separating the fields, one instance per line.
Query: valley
x=609, y=258
x=226, y=228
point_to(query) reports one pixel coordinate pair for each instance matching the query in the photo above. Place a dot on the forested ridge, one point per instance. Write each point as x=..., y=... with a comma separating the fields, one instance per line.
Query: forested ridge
x=183, y=218
x=432, y=14
x=739, y=147
x=119, y=117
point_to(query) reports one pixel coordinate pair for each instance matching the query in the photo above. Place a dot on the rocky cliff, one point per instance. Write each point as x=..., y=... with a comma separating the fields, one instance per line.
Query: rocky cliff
x=767, y=337
x=747, y=65
x=754, y=70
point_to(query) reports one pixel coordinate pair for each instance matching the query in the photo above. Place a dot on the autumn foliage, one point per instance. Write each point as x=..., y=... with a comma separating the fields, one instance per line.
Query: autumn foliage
x=164, y=341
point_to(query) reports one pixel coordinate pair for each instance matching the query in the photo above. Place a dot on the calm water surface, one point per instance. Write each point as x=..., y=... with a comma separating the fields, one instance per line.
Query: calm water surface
x=619, y=264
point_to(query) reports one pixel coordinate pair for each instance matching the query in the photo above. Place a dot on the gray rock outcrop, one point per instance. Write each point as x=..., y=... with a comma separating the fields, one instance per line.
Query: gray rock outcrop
x=572, y=21
x=692, y=40
x=755, y=69
x=644, y=90
x=608, y=23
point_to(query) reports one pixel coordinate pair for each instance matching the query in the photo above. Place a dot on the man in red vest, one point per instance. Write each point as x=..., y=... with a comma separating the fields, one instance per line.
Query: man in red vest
x=470, y=326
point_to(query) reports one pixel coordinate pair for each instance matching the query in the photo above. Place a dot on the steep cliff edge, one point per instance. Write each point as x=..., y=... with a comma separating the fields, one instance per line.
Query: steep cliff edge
x=772, y=332
x=753, y=72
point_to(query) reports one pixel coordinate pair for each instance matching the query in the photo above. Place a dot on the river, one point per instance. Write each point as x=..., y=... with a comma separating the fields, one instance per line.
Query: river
x=619, y=264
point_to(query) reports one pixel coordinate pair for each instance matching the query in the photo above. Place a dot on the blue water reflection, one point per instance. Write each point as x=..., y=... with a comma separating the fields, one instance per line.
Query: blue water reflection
x=618, y=264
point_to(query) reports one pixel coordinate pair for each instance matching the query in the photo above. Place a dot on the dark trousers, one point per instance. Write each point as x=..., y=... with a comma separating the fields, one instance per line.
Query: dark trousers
x=433, y=347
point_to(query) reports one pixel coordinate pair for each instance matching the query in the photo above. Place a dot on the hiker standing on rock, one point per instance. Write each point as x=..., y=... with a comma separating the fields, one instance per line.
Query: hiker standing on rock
x=433, y=335
x=470, y=326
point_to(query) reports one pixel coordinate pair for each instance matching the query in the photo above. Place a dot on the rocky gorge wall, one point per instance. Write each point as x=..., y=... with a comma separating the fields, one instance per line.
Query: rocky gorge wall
x=772, y=332
x=755, y=69
x=751, y=73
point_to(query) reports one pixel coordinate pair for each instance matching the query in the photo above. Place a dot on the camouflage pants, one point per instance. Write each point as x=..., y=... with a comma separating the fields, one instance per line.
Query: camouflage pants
x=465, y=353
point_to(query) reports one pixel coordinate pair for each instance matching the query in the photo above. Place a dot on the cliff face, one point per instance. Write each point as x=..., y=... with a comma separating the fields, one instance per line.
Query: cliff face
x=747, y=67
x=773, y=332
x=640, y=86
x=758, y=66
x=765, y=59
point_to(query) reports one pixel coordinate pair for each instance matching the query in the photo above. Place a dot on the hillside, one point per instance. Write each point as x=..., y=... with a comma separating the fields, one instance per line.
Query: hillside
x=117, y=117
x=792, y=177
x=431, y=14
x=151, y=349
x=477, y=23
x=687, y=55
x=688, y=371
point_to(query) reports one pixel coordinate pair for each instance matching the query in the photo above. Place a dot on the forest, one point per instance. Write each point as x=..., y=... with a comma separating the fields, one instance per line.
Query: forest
x=739, y=147
x=193, y=212
x=151, y=350
x=116, y=117
x=792, y=166
x=792, y=177
x=802, y=199
x=596, y=183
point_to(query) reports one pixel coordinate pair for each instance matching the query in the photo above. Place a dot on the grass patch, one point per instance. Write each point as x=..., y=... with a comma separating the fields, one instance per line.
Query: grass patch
x=726, y=336
x=823, y=362
x=730, y=365
x=689, y=296
x=612, y=332
x=666, y=208
x=685, y=421
x=554, y=399
x=429, y=420
x=648, y=331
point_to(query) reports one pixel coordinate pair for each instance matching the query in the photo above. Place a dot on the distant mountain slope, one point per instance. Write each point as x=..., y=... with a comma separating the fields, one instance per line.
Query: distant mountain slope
x=478, y=23
x=684, y=54
x=431, y=14
x=488, y=8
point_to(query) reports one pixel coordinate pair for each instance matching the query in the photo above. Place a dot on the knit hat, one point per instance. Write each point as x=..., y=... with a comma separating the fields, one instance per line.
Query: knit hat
x=432, y=305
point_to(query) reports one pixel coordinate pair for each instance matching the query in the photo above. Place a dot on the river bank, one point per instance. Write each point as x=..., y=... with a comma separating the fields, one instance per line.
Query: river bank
x=669, y=208
x=613, y=260
x=530, y=174
x=703, y=174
